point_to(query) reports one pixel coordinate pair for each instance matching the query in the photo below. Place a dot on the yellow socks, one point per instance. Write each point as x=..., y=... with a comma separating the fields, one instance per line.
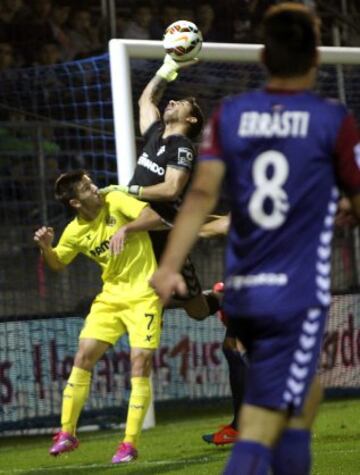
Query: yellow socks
x=74, y=396
x=138, y=405
x=76, y=392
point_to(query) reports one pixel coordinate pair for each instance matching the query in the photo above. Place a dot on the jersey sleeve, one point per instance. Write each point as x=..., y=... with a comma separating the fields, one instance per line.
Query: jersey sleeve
x=347, y=155
x=210, y=148
x=180, y=154
x=66, y=248
x=126, y=204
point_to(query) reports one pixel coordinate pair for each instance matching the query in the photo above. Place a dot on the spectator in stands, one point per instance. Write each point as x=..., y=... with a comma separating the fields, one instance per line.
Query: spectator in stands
x=241, y=31
x=186, y=13
x=168, y=14
x=12, y=11
x=49, y=53
x=353, y=24
x=204, y=19
x=257, y=9
x=39, y=12
x=83, y=35
x=121, y=22
x=139, y=25
x=18, y=149
x=7, y=59
x=33, y=29
x=57, y=20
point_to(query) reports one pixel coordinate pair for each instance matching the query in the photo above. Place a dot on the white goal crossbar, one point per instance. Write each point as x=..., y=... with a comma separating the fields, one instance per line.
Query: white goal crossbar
x=121, y=51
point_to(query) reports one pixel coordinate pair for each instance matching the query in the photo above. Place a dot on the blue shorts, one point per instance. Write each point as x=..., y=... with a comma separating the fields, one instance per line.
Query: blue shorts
x=283, y=353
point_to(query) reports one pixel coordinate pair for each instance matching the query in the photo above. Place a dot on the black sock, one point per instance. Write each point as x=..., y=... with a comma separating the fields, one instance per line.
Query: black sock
x=237, y=372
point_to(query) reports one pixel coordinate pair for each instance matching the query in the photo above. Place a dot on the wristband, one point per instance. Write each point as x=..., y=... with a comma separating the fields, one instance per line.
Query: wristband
x=135, y=190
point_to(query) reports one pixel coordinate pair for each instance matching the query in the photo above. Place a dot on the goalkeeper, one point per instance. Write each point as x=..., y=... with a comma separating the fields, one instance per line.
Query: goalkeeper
x=164, y=169
x=126, y=304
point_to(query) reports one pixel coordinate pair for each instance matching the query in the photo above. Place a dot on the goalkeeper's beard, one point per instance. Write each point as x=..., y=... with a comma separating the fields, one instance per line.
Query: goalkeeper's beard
x=170, y=117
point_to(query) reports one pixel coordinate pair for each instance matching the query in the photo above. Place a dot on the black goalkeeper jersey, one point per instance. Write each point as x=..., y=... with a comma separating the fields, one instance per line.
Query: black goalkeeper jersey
x=159, y=153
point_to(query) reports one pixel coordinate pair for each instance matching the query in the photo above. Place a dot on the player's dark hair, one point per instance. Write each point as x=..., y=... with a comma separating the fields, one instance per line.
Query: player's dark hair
x=196, y=127
x=65, y=186
x=290, y=35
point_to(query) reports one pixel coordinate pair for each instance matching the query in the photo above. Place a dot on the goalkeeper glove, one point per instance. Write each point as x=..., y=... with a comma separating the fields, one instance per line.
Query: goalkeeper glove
x=134, y=190
x=169, y=69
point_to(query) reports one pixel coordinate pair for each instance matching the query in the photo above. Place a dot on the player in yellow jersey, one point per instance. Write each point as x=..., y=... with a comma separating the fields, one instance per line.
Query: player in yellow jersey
x=127, y=304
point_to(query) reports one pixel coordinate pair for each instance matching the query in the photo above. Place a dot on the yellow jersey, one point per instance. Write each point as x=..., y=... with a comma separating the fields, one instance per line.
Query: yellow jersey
x=134, y=265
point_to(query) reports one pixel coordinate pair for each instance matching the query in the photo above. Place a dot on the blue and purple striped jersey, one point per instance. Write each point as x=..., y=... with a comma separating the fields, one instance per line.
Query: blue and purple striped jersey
x=286, y=154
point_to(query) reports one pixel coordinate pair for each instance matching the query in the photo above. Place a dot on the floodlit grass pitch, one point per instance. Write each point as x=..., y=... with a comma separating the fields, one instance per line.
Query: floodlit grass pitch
x=175, y=447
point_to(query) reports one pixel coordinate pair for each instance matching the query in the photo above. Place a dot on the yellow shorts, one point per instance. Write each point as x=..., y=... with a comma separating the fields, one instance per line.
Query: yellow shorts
x=118, y=310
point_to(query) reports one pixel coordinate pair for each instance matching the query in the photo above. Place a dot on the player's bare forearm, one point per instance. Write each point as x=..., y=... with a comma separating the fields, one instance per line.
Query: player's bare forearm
x=216, y=227
x=52, y=259
x=170, y=189
x=148, y=102
x=160, y=192
x=154, y=91
x=146, y=221
x=44, y=237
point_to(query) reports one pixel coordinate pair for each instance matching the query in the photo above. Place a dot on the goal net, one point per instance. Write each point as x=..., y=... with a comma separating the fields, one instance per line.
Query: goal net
x=60, y=117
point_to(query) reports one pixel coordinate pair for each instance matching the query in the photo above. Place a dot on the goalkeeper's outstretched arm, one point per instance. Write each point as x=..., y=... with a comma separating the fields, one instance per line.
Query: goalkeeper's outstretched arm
x=148, y=103
x=153, y=92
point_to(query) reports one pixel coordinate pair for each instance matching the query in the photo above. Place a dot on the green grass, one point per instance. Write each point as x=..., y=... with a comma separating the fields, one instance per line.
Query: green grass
x=174, y=446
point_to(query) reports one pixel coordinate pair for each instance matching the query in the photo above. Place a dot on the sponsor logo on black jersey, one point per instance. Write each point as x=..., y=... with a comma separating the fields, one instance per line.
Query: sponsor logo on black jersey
x=161, y=150
x=145, y=162
x=185, y=156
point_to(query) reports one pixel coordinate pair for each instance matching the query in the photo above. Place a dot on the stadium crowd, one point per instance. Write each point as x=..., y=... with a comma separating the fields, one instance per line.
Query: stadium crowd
x=43, y=32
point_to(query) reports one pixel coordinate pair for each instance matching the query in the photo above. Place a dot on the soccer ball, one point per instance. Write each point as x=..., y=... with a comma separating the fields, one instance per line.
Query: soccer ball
x=182, y=40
